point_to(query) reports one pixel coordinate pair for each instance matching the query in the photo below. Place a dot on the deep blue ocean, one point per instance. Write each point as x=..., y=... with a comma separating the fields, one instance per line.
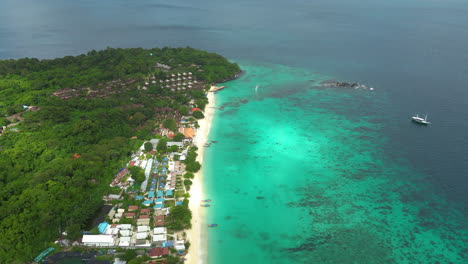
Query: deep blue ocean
x=303, y=174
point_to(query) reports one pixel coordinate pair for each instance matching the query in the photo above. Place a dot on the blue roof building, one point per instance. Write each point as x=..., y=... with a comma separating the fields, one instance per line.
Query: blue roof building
x=169, y=192
x=179, y=203
x=139, y=197
x=147, y=202
x=158, y=206
x=102, y=227
x=160, y=193
x=158, y=200
x=168, y=243
x=151, y=194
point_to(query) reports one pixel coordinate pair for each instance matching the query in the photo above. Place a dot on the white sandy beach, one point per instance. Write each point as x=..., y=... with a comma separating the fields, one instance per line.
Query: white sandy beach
x=196, y=235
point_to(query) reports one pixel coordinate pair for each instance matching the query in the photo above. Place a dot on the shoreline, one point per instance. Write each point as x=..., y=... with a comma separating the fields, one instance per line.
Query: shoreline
x=197, y=253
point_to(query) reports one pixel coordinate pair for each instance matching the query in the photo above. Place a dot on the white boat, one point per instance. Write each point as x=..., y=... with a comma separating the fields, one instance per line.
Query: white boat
x=420, y=120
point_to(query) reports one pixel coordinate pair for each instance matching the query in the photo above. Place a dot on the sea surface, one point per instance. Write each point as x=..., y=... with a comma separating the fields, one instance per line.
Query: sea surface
x=303, y=173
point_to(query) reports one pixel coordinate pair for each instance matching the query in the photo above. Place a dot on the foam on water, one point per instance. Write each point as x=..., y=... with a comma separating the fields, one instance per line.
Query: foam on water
x=303, y=174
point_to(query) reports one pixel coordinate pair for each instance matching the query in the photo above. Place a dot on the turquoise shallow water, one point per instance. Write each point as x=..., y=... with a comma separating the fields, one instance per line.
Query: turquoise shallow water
x=344, y=176
x=302, y=174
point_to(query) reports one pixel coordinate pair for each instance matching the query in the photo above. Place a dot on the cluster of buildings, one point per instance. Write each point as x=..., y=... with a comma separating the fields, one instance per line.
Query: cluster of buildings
x=102, y=89
x=178, y=82
x=128, y=236
x=142, y=224
x=175, y=82
x=16, y=118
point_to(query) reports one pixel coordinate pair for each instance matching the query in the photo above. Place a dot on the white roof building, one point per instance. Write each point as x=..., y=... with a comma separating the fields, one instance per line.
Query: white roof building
x=179, y=245
x=125, y=233
x=142, y=235
x=160, y=237
x=144, y=221
x=171, y=166
x=159, y=230
x=114, y=197
x=120, y=210
x=124, y=241
x=98, y=240
x=111, y=213
x=142, y=243
x=118, y=261
x=143, y=228
x=154, y=141
x=125, y=226
x=175, y=143
x=112, y=231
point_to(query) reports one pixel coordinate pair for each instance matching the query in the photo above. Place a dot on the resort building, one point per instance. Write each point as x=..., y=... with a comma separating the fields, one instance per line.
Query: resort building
x=143, y=229
x=158, y=252
x=159, y=238
x=124, y=241
x=142, y=243
x=179, y=245
x=125, y=232
x=125, y=226
x=142, y=235
x=159, y=230
x=98, y=240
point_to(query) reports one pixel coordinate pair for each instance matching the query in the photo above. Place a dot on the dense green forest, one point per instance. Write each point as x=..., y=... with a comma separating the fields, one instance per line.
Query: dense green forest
x=44, y=189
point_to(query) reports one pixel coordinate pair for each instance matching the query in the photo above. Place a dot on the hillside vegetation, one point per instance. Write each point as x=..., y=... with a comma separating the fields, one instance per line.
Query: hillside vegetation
x=44, y=188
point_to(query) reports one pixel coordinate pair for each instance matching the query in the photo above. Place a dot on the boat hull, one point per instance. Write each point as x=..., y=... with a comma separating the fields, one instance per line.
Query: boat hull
x=420, y=122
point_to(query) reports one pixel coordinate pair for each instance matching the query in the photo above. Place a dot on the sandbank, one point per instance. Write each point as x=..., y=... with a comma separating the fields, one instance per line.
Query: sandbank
x=197, y=252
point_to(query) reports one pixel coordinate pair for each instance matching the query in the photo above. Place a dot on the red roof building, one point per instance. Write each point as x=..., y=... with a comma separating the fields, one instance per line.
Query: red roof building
x=145, y=211
x=158, y=252
x=143, y=216
x=132, y=208
x=196, y=109
x=159, y=217
x=129, y=215
x=131, y=163
x=159, y=223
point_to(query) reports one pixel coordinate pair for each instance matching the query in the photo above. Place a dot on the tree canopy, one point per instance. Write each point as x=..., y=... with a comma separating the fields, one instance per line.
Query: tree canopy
x=198, y=115
x=45, y=189
x=180, y=217
x=148, y=146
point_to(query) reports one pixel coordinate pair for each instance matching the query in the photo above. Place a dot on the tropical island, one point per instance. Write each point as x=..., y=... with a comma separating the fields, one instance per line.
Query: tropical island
x=98, y=153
